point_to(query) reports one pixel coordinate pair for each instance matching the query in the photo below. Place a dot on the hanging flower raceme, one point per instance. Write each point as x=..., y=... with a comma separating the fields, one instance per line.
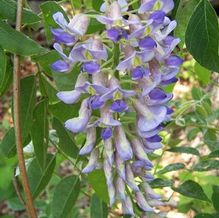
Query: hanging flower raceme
x=108, y=93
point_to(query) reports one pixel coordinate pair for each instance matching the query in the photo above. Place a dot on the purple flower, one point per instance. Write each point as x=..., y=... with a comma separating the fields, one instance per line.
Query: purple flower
x=119, y=106
x=122, y=144
x=77, y=26
x=139, y=72
x=157, y=17
x=147, y=43
x=149, y=117
x=93, y=162
x=61, y=66
x=174, y=61
x=90, y=141
x=109, y=151
x=130, y=178
x=63, y=37
x=142, y=203
x=145, y=57
x=79, y=123
x=91, y=67
x=106, y=133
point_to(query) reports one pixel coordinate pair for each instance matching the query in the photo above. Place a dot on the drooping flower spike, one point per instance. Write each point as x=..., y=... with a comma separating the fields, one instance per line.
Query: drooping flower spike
x=135, y=85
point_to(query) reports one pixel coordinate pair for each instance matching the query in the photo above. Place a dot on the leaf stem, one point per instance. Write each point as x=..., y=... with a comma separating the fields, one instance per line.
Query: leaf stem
x=17, y=123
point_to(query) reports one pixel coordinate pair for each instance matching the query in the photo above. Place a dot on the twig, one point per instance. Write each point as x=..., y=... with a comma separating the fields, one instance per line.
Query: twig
x=18, y=191
x=17, y=124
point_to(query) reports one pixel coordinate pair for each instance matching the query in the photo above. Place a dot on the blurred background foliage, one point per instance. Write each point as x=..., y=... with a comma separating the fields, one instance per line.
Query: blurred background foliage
x=187, y=167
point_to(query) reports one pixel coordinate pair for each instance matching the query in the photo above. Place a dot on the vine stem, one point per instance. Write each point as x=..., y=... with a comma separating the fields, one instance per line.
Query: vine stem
x=17, y=123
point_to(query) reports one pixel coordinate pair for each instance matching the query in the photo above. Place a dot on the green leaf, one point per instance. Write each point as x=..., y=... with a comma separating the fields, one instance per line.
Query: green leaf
x=27, y=102
x=97, y=4
x=46, y=60
x=17, y=42
x=66, y=82
x=39, y=178
x=95, y=26
x=98, y=208
x=40, y=132
x=5, y=72
x=215, y=197
x=193, y=133
x=98, y=182
x=210, y=138
x=183, y=14
x=65, y=196
x=48, y=90
x=64, y=112
x=207, y=165
x=8, y=10
x=202, y=36
x=213, y=154
x=8, y=146
x=204, y=75
x=160, y=183
x=187, y=150
x=48, y=9
x=204, y=215
x=76, y=4
x=172, y=167
x=191, y=189
x=66, y=142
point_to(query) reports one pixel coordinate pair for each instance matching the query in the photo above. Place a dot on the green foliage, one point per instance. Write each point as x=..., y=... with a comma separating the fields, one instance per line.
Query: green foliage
x=187, y=150
x=65, y=196
x=18, y=43
x=183, y=14
x=8, y=147
x=8, y=10
x=5, y=72
x=204, y=75
x=171, y=167
x=192, y=189
x=27, y=103
x=38, y=177
x=202, y=36
x=48, y=9
x=95, y=26
x=215, y=197
x=40, y=132
x=160, y=183
x=66, y=142
x=98, y=208
x=98, y=182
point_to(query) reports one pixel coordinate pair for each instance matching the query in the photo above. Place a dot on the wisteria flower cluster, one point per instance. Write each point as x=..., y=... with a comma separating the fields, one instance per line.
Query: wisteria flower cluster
x=109, y=94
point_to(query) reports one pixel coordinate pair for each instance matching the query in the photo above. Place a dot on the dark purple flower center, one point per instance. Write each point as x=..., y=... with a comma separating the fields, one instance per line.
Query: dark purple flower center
x=170, y=81
x=119, y=106
x=114, y=34
x=157, y=94
x=91, y=67
x=96, y=103
x=147, y=43
x=158, y=17
x=169, y=110
x=106, y=133
x=138, y=73
x=155, y=138
x=174, y=61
